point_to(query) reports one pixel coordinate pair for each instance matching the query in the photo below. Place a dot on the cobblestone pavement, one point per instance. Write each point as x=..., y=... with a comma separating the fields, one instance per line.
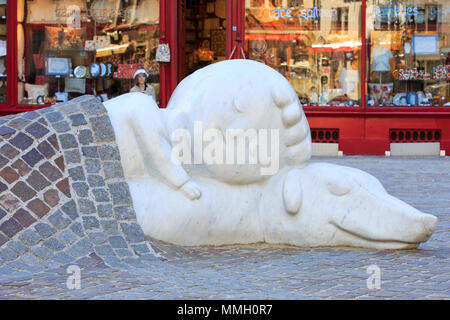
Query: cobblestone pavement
x=271, y=272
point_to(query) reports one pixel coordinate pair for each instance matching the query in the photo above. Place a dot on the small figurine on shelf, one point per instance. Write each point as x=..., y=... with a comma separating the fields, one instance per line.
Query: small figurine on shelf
x=323, y=99
x=313, y=97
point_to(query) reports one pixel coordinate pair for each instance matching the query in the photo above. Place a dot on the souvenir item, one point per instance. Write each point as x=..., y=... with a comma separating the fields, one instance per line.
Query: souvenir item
x=94, y=69
x=101, y=41
x=103, y=70
x=57, y=66
x=109, y=68
x=34, y=91
x=421, y=98
x=381, y=92
x=59, y=38
x=412, y=99
x=397, y=98
x=126, y=71
x=403, y=101
x=80, y=72
x=75, y=85
x=89, y=45
x=62, y=96
x=163, y=53
x=40, y=99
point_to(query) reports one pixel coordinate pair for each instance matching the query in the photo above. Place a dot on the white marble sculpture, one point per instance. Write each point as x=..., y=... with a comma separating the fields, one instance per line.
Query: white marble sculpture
x=189, y=200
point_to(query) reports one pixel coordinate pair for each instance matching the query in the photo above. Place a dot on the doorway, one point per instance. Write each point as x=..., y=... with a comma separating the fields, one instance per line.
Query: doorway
x=202, y=34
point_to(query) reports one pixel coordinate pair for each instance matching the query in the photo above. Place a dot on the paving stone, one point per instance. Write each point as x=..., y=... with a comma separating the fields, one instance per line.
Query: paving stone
x=60, y=163
x=9, y=174
x=45, y=230
x=81, y=248
x=46, y=149
x=3, y=187
x=78, y=119
x=90, y=222
x=62, y=257
x=123, y=253
x=62, y=126
x=18, y=123
x=51, y=172
x=97, y=238
x=69, y=108
x=68, y=141
x=102, y=128
x=31, y=115
x=10, y=227
x=110, y=226
x=81, y=189
x=3, y=240
x=42, y=253
x=86, y=206
x=113, y=170
x=8, y=254
x=9, y=202
x=54, y=116
x=124, y=213
x=120, y=193
x=77, y=174
x=38, y=207
x=77, y=228
x=70, y=209
x=3, y=213
x=67, y=237
x=85, y=137
x=37, y=181
x=53, y=141
x=58, y=220
x=24, y=218
x=4, y=131
x=101, y=195
x=17, y=247
x=21, y=141
x=140, y=249
x=109, y=153
x=37, y=130
x=51, y=197
x=23, y=191
x=28, y=259
x=90, y=152
x=22, y=168
x=92, y=165
x=32, y=157
x=117, y=242
x=30, y=237
x=72, y=156
x=95, y=181
x=104, y=250
x=63, y=186
x=3, y=161
x=53, y=244
x=9, y=151
x=92, y=107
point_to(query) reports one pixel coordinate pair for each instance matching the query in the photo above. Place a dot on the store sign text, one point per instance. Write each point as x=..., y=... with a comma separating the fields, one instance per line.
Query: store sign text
x=306, y=14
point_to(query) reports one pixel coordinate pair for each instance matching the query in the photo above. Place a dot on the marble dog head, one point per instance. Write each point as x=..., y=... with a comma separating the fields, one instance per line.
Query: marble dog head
x=330, y=205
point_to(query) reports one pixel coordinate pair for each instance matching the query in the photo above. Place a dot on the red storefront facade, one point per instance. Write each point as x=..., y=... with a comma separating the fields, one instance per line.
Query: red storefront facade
x=312, y=58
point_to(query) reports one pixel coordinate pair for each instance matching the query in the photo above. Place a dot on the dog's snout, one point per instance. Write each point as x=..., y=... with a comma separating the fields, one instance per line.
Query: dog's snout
x=429, y=223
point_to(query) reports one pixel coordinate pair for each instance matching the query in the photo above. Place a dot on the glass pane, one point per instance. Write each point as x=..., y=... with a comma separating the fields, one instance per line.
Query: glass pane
x=315, y=44
x=77, y=47
x=3, y=90
x=408, y=52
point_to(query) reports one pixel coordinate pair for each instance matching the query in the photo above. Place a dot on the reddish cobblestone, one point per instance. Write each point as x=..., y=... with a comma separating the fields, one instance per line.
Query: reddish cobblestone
x=9, y=175
x=23, y=191
x=38, y=207
x=51, y=197
x=64, y=187
x=10, y=227
x=60, y=163
x=24, y=218
x=9, y=202
x=22, y=168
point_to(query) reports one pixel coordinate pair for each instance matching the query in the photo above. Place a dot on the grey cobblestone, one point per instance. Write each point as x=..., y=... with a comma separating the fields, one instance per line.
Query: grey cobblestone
x=72, y=156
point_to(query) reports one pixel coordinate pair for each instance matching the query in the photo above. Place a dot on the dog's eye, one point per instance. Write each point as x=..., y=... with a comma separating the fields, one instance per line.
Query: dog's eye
x=339, y=188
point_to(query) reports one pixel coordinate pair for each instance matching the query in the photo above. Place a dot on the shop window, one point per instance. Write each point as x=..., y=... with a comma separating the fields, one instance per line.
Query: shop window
x=205, y=33
x=316, y=45
x=69, y=48
x=3, y=51
x=408, y=53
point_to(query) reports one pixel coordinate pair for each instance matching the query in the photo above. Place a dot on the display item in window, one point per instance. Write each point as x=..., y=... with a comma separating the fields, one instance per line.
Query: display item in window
x=141, y=85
